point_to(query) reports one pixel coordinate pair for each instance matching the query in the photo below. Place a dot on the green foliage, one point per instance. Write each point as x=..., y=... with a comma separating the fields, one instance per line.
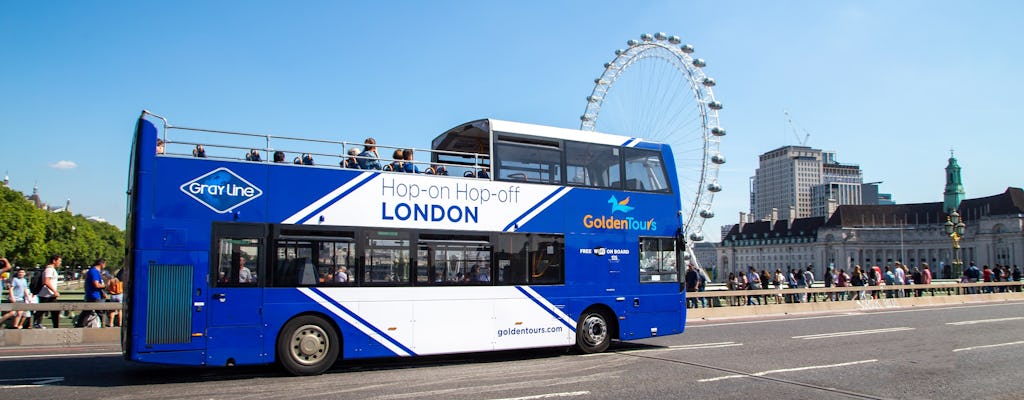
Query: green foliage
x=28, y=236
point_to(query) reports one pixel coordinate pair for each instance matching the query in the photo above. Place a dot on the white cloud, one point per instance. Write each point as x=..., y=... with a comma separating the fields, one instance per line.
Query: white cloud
x=64, y=164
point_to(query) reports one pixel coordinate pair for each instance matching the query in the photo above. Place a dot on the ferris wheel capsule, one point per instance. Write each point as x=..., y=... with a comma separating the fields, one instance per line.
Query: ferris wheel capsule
x=718, y=159
x=715, y=105
x=660, y=36
x=714, y=187
x=585, y=118
x=600, y=81
x=592, y=99
x=646, y=37
x=674, y=40
x=709, y=82
x=718, y=131
x=707, y=214
x=696, y=236
x=632, y=42
x=699, y=63
x=686, y=48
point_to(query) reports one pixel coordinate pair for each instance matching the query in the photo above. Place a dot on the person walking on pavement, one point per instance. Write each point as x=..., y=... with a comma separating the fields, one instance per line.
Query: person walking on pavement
x=49, y=292
x=94, y=289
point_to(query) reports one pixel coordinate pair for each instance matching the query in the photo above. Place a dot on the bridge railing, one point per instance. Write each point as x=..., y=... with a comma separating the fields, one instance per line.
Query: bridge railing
x=725, y=298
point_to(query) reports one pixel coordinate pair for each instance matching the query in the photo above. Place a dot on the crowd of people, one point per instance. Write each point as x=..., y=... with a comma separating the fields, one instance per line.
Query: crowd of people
x=100, y=286
x=893, y=281
x=402, y=160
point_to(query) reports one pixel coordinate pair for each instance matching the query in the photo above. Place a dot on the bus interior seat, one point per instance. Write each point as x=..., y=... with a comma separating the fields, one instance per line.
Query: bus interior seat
x=633, y=184
x=307, y=273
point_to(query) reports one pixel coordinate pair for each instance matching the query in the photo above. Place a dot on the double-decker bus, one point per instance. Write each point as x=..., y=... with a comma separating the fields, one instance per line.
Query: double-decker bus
x=533, y=236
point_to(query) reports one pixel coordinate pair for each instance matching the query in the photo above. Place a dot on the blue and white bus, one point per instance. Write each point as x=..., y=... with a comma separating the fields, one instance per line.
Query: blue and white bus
x=534, y=237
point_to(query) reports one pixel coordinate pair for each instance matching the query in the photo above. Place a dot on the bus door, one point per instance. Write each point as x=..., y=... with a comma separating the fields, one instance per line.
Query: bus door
x=234, y=331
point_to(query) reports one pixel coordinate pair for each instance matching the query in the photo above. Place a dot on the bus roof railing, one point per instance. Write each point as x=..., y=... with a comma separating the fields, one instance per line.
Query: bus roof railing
x=179, y=141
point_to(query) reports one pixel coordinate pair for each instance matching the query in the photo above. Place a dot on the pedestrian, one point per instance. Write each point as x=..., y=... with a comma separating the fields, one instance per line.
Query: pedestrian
x=842, y=280
x=766, y=281
x=809, y=281
x=691, y=285
x=829, y=279
x=116, y=290
x=49, y=292
x=731, y=284
x=19, y=293
x=777, y=281
x=93, y=294
x=753, y=283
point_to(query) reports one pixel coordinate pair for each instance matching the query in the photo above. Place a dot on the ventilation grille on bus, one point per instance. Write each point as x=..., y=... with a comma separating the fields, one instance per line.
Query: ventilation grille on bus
x=169, y=310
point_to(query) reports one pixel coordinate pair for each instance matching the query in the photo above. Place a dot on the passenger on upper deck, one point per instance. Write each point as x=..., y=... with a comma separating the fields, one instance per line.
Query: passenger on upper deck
x=436, y=170
x=369, y=159
x=159, y=146
x=409, y=166
x=351, y=161
x=279, y=156
x=253, y=155
x=396, y=165
x=199, y=151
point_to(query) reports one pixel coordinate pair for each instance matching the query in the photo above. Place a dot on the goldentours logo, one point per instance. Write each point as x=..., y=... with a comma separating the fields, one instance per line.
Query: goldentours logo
x=619, y=222
x=221, y=190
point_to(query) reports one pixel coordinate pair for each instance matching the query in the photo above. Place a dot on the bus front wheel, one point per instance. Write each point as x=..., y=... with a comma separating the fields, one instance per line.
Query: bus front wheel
x=307, y=345
x=592, y=335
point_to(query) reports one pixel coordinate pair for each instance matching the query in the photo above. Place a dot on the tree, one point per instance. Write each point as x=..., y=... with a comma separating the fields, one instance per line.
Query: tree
x=28, y=236
x=22, y=234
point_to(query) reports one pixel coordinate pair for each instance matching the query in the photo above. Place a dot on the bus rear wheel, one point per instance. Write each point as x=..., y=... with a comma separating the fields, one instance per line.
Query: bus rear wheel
x=592, y=335
x=307, y=345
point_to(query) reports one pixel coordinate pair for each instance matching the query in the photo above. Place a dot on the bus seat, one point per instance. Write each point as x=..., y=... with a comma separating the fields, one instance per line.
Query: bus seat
x=632, y=184
x=307, y=273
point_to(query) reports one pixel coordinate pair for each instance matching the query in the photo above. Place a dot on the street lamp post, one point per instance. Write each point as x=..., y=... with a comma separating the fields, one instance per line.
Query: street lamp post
x=955, y=229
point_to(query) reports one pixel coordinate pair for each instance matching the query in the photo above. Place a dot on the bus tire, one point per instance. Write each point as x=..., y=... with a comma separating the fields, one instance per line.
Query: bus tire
x=307, y=345
x=592, y=334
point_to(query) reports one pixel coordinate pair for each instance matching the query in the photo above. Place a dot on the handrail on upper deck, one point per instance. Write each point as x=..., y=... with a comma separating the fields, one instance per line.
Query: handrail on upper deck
x=479, y=161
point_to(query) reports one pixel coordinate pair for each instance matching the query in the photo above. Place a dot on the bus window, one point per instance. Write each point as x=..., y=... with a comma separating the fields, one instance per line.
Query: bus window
x=463, y=261
x=238, y=259
x=645, y=171
x=658, y=262
x=593, y=165
x=510, y=259
x=294, y=266
x=528, y=163
x=387, y=257
x=547, y=256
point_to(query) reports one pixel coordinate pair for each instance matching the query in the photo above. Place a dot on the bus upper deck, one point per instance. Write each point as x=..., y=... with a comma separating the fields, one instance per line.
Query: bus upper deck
x=529, y=153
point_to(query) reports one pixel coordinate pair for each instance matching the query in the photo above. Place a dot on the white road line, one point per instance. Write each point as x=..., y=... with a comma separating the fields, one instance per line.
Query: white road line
x=988, y=346
x=691, y=325
x=35, y=382
x=852, y=333
x=778, y=371
x=28, y=356
x=548, y=396
x=982, y=321
x=686, y=347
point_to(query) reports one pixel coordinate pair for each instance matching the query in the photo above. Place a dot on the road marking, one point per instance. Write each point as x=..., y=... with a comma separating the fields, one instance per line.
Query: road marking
x=778, y=371
x=988, y=346
x=704, y=346
x=33, y=382
x=852, y=333
x=27, y=356
x=548, y=396
x=698, y=346
x=785, y=319
x=982, y=321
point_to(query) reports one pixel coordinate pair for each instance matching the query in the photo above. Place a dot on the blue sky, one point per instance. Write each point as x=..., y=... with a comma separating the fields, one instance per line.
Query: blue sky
x=891, y=86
